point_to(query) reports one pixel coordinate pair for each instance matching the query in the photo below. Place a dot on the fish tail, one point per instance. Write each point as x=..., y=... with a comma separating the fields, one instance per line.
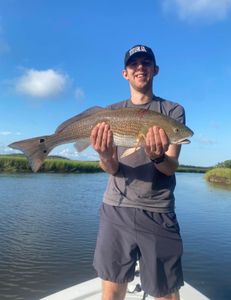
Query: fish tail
x=36, y=150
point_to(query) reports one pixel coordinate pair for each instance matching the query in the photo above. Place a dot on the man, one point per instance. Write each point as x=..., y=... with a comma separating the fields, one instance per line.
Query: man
x=137, y=218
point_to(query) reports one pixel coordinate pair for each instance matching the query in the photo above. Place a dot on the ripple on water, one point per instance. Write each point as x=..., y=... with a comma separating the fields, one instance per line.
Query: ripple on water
x=48, y=227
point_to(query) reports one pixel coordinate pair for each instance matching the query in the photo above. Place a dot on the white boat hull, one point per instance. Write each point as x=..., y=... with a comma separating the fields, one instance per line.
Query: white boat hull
x=91, y=290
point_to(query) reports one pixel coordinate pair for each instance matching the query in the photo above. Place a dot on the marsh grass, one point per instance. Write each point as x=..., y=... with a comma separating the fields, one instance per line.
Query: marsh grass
x=13, y=164
x=18, y=163
x=192, y=169
x=219, y=175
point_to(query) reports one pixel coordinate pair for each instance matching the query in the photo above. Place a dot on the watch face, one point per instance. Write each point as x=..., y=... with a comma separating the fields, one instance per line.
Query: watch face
x=159, y=159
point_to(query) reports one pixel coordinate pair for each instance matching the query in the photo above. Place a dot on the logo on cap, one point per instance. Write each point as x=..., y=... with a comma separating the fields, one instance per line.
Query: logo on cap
x=137, y=49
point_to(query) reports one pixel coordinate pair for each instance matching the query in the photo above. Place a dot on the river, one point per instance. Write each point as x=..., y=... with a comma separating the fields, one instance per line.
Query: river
x=48, y=227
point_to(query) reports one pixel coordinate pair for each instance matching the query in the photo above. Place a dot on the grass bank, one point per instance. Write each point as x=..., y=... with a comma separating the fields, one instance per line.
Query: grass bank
x=192, y=169
x=219, y=175
x=19, y=164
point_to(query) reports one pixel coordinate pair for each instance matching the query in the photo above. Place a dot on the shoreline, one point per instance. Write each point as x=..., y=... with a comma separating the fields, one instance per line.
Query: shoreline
x=219, y=176
x=18, y=163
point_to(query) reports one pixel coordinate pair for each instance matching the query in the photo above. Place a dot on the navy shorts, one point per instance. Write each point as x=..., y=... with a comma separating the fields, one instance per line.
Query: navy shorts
x=127, y=234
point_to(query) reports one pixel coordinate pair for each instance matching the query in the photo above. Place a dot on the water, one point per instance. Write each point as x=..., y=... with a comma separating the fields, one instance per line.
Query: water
x=204, y=214
x=48, y=227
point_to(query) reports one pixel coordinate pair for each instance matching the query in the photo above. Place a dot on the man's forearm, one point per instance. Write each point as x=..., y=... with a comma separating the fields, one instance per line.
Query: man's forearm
x=168, y=166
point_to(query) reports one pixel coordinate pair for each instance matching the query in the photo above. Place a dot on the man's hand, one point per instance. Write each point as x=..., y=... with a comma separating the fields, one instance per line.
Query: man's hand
x=157, y=142
x=102, y=142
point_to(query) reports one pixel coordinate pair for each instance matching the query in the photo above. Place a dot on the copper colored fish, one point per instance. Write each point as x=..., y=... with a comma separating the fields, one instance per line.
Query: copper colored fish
x=129, y=127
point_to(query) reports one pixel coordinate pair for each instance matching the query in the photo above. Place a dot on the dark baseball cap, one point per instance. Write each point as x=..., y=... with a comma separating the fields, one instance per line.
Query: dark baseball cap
x=139, y=50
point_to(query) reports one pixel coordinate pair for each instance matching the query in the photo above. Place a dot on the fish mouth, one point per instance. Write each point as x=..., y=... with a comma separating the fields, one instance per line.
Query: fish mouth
x=183, y=141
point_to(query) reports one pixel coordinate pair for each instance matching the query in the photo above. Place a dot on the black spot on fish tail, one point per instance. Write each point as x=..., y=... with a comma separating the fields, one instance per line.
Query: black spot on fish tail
x=35, y=149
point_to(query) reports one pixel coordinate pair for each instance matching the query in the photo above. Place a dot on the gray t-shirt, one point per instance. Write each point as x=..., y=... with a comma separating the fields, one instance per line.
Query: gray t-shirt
x=138, y=183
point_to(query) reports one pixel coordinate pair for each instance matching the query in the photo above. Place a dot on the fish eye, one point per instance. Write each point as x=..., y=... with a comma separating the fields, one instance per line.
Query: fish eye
x=176, y=130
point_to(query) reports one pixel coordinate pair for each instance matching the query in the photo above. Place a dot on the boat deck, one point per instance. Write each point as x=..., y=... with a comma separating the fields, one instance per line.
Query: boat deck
x=91, y=290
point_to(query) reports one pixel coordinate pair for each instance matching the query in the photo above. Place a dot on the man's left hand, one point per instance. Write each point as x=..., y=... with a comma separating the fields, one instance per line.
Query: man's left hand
x=157, y=142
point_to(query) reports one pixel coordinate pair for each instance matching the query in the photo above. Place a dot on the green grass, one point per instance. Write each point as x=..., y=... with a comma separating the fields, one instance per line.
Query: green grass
x=13, y=164
x=192, y=169
x=219, y=175
x=18, y=163
x=70, y=166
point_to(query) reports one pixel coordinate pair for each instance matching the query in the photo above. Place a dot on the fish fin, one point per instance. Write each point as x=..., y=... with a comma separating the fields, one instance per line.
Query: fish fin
x=82, y=144
x=129, y=151
x=78, y=117
x=35, y=150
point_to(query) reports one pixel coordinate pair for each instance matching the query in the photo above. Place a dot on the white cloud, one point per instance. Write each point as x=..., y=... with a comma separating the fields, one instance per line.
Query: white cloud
x=4, y=149
x=79, y=94
x=69, y=151
x=194, y=9
x=5, y=132
x=42, y=83
x=201, y=139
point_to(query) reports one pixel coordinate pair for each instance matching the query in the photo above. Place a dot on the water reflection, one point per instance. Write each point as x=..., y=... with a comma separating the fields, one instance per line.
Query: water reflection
x=220, y=186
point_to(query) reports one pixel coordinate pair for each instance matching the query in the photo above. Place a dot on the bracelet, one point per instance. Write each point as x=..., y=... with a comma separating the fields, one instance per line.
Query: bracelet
x=158, y=160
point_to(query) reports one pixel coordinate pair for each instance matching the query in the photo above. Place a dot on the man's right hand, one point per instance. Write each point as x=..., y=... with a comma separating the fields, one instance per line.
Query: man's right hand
x=102, y=142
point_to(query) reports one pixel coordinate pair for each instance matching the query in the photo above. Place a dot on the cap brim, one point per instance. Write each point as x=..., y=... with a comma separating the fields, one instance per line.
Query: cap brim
x=139, y=54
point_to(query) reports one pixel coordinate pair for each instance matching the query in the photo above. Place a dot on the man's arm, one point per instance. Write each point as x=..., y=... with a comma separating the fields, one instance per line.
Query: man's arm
x=102, y=142
x=170, y=163
x=157, y=145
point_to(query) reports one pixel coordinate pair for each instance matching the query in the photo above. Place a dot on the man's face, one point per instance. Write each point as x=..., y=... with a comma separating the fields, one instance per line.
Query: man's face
x=139, y=72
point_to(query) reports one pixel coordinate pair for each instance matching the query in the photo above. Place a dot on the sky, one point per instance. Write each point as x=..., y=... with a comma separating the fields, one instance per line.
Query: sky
x=58, y=58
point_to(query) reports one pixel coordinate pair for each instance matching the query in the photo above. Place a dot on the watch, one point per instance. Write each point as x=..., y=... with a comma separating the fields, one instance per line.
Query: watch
x=158, y=160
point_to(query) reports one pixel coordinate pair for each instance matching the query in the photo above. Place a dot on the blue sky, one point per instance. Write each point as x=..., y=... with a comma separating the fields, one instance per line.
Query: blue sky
x=58, y=58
